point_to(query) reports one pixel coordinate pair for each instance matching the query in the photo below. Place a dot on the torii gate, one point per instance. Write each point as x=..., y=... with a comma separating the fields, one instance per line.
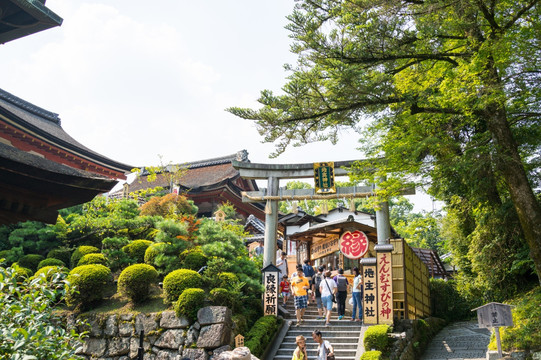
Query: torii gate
x=275, y=172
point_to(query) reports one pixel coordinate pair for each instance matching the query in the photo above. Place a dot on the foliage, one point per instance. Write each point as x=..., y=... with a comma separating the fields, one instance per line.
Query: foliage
x=28, y=327
x=50, y=262
x=447, y=92
x=173, y=233
x=169, y=206
x=371, y=355
x=30, y=261
x=5, y=255
x=447, y=302
x=61, y=253
x=135, y=281
x=189, y=303
x=82, y=251
x=224, y=297
x=260, y=335
x=22, y=273
x=30, y=237
x=112, y=249
x=93, y=259
x=376, y=337
x=153, y=251
x=136, y=250
x=179, y=280
x=193, y=259
x=87, y=284
x=50, y=270
x=525, y=334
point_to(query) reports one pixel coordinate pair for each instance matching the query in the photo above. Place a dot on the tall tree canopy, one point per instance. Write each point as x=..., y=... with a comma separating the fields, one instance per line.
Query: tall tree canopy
x=445, y=90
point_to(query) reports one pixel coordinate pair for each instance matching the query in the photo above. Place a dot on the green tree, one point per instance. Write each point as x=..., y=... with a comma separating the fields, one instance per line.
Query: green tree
x=448, y=91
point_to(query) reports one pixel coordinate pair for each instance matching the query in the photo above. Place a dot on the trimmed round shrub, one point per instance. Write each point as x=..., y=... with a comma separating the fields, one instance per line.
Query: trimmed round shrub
x=30, y=261
x=50, y=262
x=60, y=254
x=371, y=355
x=88, y=283
x=193, y=259
x=49, y=271
x=82, y=251
x=22, y=272
x=89, y=259
x=135, y=281
x=189, y=303
x=376, y=338
x=152, y=251
x=136, y=250
x=177, y=281
x=223, y=297
x=227, y=279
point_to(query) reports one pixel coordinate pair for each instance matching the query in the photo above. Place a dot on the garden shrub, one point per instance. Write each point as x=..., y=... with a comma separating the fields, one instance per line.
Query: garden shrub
x=89, y=259
x=260, y=335
x=227, y=280
x=22, y=272
x=447, y=303
x=223, y=297
x=60, y=254
x=177, y=281
x=193, y=259
x=152, y=251
x=136, y=250
x=376, y=338
x=135, y=281
x=6, y=255
x=50, y=262
x=189, y=303
x=371, y=355
x=30, y=261
x=49, y=271
x=82, y=251
x=88, y=283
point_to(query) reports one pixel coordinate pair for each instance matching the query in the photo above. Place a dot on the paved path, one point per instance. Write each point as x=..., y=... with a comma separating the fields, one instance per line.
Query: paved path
x=459, y=341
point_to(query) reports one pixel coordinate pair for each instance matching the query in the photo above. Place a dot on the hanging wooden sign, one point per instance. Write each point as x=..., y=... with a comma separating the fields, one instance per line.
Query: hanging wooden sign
x=271, y=284
x=370, y=298
x=385, y=288
x=354, y=245
x=324, y=178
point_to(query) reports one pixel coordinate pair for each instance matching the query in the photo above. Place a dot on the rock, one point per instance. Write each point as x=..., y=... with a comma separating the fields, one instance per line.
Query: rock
x=169, y=320
x=95, y=328
x=118, y=346
x=170, y=339
x=111, y=328
x=166, y=355
x=95, y=347
x=147, y=323
x=196, y=325
x=195, y=354
x=126, y=317
x=134, y=347
x=192, y=336
x=214, y=315
x=214, y=336
x=240, y=353
x=220, y=350
x=126, y=329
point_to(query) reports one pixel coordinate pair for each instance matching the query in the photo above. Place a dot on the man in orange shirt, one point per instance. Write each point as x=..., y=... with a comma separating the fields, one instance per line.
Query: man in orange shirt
x=299, y=289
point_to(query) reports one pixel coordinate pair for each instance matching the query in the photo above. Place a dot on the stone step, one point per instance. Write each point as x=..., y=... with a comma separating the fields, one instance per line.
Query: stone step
x=288, y=357
x=338, y=352
x=338, y=345
x=341, y=339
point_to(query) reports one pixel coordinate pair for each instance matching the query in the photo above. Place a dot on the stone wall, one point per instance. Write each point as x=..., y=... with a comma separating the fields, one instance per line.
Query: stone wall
x=166, y=336
x=410, y=339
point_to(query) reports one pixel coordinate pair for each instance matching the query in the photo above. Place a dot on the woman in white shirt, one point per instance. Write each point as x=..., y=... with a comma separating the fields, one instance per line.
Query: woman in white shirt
x=327, y=288
x=357, y=295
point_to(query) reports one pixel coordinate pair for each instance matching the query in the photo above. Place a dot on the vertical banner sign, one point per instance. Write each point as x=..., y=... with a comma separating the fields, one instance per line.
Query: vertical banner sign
x=270, y=295
x=370, y=298
x=353, y=245
x=385, y=288
x=324, y=178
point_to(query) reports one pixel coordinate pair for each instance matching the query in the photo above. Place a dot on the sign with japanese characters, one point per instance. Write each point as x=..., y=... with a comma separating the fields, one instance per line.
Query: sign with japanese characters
x=324, y=178
x=271, y=284
x=385, y=288
x=370, y=298
x=494, y=315
x=324, y=247
x=354, y=244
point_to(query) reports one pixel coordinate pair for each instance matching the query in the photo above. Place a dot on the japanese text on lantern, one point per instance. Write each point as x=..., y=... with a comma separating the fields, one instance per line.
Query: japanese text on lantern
x=354, y=244
x=385, y=288
x=370, y=299
x=270, y=296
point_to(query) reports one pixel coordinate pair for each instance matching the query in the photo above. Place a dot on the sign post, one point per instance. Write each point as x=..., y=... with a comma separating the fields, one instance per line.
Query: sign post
x=271, y=283
x=495, y=315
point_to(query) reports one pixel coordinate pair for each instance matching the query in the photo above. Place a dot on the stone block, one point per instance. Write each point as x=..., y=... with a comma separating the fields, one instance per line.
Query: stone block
x=147, y=323
x=166, y=355
x=126, y=329
x=191, y=336
x=111, y=328
x=95, y=347
x=214, y=315
x=240, y=353
x=195, y=354
x=169, y=320
x=95, y=327
x=214, y=336
x=134, y=347
x=170, y=339
x=118, y=346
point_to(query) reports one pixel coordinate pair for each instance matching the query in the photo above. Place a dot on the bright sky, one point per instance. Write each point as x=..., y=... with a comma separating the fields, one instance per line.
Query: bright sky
x=133, y=80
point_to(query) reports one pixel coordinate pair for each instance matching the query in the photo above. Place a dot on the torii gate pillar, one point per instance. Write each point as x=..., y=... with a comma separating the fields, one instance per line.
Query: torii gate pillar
x=271, y=223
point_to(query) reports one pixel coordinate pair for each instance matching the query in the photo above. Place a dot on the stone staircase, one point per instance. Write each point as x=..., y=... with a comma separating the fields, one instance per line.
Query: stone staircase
x=344, y=335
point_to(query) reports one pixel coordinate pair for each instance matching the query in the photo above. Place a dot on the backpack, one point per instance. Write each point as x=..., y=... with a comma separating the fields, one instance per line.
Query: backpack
x=317, y=281
x=342, y=283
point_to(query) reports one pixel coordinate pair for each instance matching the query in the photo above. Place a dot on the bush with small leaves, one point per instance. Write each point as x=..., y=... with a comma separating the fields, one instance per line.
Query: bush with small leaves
x=376, y=337
x=93, y=259
x=136, y=250
x=193, y=259
x=135, y=281
x=49, y=271
x=87, y=284
x=6, y=255
x=177, y=281
x=82, y=251
x=223, y=297
x=152, y=251
x=371, y=355
x=189, y=303
x=260, y=335
x=22, y=272
x=60, y=254
x=30, y=261
x=50, y=262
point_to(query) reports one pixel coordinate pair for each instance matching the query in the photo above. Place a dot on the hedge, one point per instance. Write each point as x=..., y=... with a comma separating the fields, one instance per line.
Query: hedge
x=376, y=338
x=88, y=283
x=80, y=252
x=177, y=281
x=371, y=355
x=189, y=303
x=260, y=335
x=135, y=281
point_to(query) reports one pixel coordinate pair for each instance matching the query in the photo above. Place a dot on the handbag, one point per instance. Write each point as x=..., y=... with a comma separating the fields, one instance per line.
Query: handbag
x=333, y=298
x=327, y=351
